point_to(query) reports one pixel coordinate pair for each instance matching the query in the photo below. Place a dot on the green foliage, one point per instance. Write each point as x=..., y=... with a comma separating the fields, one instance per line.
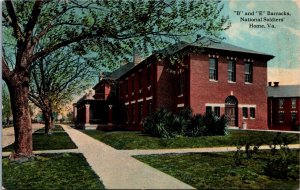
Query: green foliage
x=6, y=108
x=215, y=170
x=165, y=124
x=51, y=171
x=127, y=140
x=278, y=166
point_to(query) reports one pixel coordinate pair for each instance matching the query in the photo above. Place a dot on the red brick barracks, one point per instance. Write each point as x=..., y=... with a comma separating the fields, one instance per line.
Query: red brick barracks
x=218, y=77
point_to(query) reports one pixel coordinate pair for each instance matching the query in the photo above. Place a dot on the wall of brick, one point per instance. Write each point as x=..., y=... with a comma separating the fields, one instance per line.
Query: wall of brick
x=274, y=110
x=166, y=88
x=203, y=91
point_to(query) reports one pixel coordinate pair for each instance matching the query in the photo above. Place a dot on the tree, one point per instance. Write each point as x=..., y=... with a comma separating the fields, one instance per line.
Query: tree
x=55, y=79
x=6, y=108
x=110, y=27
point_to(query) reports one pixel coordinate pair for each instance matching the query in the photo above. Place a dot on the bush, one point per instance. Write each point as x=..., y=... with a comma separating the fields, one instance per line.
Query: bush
x=166, y=124
x=278, y=166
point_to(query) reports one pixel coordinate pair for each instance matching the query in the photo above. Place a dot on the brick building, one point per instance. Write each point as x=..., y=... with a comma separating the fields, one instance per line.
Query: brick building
x=208, y=77
x=283, y=106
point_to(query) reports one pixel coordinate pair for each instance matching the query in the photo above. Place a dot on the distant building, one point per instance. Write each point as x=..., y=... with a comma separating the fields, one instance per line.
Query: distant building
x=217, y=77
x=283, y=106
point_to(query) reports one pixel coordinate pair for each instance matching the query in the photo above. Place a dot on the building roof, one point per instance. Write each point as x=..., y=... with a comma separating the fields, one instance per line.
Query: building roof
x=284, y=91
x=210, y=44
x=203, y=42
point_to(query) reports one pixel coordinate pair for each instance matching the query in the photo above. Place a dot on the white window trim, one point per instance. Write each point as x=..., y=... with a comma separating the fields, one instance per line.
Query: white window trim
x=127, y=103
x=180, y=105
x=247, y=105
x=149, y=98
x=132, y=102
x=140, y=100
x=213, y=80
x=215, y=105
x=231, y=82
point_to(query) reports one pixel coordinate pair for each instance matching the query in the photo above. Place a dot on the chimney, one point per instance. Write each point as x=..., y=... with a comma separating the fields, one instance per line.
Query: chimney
x=270, y=83
x=136, y=57
x=276, y=84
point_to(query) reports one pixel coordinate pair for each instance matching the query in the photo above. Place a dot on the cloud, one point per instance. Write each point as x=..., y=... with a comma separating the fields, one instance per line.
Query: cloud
x=232, y=4
x=284, y=76
x=297, y=3
x=293, y=31
x=251, y=5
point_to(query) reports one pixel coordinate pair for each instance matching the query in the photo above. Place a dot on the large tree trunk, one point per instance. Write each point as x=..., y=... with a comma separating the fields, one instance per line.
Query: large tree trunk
x=18, y=89
x=49, y=123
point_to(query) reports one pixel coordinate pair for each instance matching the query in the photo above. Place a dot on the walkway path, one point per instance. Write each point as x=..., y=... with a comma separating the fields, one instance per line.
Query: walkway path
x=118, y=170
x=194, y=150
x=48, y=151
x=8, y=136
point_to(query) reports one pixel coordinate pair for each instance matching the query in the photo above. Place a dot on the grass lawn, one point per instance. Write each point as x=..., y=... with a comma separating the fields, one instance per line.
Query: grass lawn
x=50, y=171
x=217, y=171
x=56, y=128
x=49, y=142
x=137, y=140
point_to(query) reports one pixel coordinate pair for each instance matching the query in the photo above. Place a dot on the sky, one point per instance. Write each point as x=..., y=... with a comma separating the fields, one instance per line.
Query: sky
x=283, y=41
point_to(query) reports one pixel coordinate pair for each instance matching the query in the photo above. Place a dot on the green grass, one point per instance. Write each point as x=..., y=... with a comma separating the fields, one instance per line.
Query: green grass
x=48, y=142
x=50, y=171
x=55, y=129
x=137, y=140
x=217, y=171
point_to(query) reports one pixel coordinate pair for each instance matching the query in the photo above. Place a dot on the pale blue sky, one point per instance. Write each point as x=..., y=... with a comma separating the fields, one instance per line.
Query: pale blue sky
x=283, y=41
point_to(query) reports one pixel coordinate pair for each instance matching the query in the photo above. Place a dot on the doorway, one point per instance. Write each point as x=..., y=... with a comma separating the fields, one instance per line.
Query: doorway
x=231, y=111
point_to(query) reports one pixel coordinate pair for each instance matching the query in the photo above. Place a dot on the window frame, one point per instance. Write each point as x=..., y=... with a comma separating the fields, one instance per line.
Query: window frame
x=181, y=84
x=213, y=69
x=294, y=103
x=231, y=72
x=245, y=112
x=208, y=109
x=252, y=113
x=280, y=103
x=217, y=111
x=248, y=74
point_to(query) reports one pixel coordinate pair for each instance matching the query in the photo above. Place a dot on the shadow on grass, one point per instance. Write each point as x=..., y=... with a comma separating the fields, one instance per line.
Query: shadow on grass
x=51, y=171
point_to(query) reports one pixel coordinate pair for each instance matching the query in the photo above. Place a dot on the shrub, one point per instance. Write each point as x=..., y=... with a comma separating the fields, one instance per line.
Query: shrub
x=166, y=124
x=197, y=126
x=158, y=123
x=278, y=166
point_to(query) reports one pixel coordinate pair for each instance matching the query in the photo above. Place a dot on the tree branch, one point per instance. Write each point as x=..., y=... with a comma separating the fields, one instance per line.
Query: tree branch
x=36, y=10
x=6, y=73
x=14, y=20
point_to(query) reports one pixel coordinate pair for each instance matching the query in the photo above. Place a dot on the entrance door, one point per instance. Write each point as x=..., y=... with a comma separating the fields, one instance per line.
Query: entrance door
x=231, y=111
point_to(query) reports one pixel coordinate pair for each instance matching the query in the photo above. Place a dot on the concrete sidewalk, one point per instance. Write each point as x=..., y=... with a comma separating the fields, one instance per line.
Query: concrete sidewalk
x=194, y=150
x=118, y=170
x=8, y=135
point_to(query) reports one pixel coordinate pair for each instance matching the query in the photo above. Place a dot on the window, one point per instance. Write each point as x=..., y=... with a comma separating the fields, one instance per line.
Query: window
x=140, y=111
x=294, y=117
x=208, y=109
x=252, y=112
x=213, y=69
x=126, y=114
x=132, y=113
x=132, y=83
x=149, y=108
x=149, y=75
x=294, y=103
x=281, y=117
x=281, y=102
x=181, y=83
x=245, y=112
x=248, y=72
x=231, y=70
x=217, y=111
x=126, y=86
x=140, y=80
